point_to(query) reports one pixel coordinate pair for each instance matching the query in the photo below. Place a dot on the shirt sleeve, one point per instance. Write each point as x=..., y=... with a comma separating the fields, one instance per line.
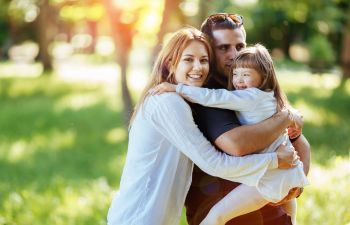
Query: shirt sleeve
x=171, y=116
x=213, y=122
x=239, y=100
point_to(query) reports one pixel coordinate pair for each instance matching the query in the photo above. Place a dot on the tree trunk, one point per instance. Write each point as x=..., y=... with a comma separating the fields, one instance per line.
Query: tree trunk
x=122, y=34
x=126, y=97
x=171, y=8
x=345, y=55
x=43, y=30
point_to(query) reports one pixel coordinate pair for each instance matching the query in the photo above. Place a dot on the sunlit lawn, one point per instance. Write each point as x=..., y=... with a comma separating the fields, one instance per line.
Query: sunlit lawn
x=62, y=149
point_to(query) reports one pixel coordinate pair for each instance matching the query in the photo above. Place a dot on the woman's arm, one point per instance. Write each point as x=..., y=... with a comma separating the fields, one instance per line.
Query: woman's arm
x=172, y=117
x=249, y=139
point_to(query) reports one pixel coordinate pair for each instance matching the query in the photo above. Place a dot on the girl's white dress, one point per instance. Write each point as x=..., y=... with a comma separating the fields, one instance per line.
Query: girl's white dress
x=252, y=106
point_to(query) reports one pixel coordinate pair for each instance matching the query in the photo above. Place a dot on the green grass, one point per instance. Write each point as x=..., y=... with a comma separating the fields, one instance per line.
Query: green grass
x=62, y=149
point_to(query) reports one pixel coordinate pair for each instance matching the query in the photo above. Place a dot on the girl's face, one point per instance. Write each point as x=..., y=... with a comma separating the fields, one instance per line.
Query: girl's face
x=243, y=78
x=193, y=67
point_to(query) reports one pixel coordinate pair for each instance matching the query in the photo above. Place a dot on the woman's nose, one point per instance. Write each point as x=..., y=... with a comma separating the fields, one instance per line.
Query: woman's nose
x=197, y=65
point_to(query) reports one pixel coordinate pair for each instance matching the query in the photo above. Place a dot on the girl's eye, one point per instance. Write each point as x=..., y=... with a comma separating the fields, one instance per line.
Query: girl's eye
x=246, y=75
x=235, y=74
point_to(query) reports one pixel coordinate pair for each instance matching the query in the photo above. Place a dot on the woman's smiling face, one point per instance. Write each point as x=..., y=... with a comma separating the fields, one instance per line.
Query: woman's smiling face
x=193, y=67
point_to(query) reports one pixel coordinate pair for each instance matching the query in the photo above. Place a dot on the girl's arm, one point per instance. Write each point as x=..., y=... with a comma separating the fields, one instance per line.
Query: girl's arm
x=240, y=100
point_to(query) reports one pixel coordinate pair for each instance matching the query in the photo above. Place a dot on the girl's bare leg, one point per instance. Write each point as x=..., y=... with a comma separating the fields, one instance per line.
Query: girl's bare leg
x=241, y=200
x=291, y=209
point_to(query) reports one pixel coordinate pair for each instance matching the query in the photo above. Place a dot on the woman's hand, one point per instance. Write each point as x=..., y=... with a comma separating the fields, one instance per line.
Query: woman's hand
x=287, y=157
x=162, y=88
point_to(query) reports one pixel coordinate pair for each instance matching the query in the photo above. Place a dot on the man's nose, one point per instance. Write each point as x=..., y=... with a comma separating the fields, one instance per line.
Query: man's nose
x=232, y=53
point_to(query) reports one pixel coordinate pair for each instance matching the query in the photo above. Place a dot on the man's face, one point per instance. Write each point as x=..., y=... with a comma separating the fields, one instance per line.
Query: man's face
x=227, y=43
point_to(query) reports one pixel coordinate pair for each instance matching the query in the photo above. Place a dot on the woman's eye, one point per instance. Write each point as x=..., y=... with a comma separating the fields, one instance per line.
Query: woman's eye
x=204, y=60
x=188, y=59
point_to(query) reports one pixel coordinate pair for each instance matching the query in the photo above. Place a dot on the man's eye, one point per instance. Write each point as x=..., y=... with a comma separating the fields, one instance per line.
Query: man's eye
x=223, y=48
x=239, y=47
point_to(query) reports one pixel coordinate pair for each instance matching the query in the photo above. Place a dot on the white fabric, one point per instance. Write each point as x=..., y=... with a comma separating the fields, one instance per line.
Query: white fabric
x=252, y=106
x=163, y=142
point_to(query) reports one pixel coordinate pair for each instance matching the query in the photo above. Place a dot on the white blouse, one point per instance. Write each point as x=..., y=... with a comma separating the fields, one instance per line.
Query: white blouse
x=164, y=142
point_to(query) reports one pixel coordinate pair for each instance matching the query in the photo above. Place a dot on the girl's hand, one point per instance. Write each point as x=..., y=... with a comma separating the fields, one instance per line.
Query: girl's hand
x=162, y=88
x=293, y=132
x=297, y=119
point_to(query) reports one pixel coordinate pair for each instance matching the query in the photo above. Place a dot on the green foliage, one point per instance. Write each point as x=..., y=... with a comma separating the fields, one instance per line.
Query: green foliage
x=322, y=56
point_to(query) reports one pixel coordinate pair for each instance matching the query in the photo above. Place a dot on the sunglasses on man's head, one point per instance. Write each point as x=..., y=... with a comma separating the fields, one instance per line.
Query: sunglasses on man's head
x=219, y=17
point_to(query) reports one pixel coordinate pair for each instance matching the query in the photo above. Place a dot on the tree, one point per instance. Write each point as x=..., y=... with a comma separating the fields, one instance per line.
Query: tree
x=345, y=50
x=122, y=33
x=45, y=33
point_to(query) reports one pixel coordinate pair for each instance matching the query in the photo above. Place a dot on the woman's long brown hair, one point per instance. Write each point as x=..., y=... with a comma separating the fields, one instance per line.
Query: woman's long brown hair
x=168, y=59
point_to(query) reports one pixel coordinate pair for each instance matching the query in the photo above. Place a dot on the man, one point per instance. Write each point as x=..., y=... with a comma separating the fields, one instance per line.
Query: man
x=222, y=128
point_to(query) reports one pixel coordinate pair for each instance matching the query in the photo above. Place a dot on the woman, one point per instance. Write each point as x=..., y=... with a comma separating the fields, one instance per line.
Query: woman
x=164, y=142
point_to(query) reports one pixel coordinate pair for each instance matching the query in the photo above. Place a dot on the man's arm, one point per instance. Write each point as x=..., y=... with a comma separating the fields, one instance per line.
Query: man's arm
x=302, y=146
x=248, y=139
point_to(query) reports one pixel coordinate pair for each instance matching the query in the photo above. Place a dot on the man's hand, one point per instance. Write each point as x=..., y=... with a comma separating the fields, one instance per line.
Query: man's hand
x=163, y=87
x=287, y=157
x=293, y=193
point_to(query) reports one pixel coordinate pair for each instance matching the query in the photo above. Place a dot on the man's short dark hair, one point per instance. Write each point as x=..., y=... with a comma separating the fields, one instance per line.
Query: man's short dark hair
x=220, y=21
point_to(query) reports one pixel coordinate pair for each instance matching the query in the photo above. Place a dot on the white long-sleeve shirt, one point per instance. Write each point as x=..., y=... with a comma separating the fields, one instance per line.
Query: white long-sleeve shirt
x=164, y=142
x=252, y=105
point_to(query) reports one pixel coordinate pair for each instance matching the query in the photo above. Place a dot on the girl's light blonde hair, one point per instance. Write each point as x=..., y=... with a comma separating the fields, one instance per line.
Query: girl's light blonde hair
x=168, y=59
x=257, y=57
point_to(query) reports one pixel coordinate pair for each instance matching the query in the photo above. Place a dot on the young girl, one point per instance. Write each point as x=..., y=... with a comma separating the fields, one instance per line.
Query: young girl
x=257, y=96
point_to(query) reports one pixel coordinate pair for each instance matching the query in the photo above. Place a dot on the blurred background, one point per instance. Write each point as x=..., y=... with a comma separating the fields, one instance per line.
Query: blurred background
x=71, y=71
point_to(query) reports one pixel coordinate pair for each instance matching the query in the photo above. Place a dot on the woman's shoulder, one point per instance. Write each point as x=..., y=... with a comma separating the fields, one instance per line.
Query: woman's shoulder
x=166, y=100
